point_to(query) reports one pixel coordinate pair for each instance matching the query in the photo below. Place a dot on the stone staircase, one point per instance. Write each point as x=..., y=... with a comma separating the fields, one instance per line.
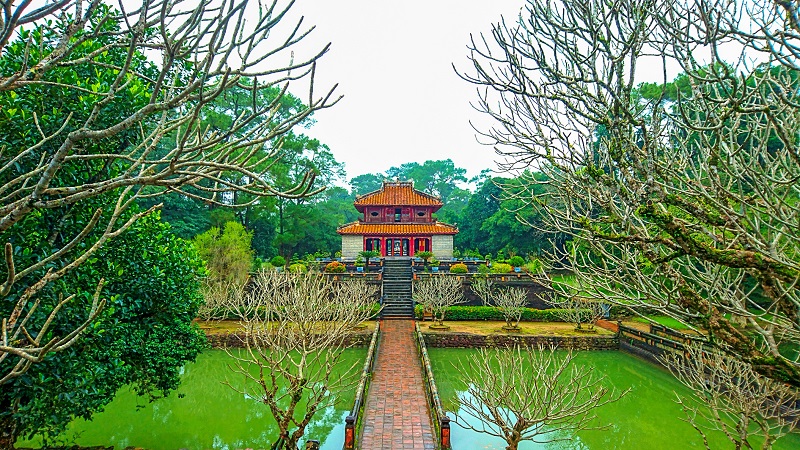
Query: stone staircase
x=397, y=279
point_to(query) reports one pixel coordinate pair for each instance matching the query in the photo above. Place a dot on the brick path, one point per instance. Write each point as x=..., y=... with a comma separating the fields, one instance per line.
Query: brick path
x=396, y=414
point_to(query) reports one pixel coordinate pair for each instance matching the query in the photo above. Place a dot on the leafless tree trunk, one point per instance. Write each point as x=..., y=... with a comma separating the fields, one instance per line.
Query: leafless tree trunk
x=438, y=293
x=529, y=395
x=295, y=327
x=731, y=397
x=678, y=197
x=200, y=50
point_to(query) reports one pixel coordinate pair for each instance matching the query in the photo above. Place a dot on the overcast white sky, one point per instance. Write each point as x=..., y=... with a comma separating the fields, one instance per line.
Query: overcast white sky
x=402, y=100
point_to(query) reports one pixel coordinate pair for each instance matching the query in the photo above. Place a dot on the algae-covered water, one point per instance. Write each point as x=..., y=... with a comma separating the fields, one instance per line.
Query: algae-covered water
x=646, y=418
x=203, y=414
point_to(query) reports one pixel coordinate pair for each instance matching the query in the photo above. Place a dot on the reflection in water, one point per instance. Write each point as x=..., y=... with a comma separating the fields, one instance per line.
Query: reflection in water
x=203, y=414
x=646, y=418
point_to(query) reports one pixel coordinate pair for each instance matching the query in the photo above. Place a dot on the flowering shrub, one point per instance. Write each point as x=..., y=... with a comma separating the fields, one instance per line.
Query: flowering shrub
x=459, y=268
x=335, y=267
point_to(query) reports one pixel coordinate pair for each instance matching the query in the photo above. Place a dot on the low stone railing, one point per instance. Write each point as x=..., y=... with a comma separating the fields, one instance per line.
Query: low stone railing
x=469, y=340
x=352, y=424
x=441, y=422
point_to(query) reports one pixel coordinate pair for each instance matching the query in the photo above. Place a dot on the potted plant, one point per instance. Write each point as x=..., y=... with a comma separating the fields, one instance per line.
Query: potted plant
x=434, y=265
x=426, y=256
x=359, y=264
x=367, y=255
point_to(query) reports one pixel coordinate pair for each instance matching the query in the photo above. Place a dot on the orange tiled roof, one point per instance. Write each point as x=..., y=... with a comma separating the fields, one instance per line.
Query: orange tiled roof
x=397, y=228
x=400, y=193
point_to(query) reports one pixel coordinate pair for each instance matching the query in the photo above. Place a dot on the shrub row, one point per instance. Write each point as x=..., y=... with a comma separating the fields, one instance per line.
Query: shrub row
x=456, y=313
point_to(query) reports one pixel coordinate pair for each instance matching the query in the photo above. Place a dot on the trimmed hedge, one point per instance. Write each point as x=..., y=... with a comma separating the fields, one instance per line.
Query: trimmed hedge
x=457, y=313
x=459, y=268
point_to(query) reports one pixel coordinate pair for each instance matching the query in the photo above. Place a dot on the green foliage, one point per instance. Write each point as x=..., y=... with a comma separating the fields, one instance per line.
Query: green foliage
x=368, y=254
x=335, y=267
x=144, y=335
x=298, y=268
x=496, y=218
x=516, y=261
x=535, y=266
x=459, y=268
x=456, y=313
x=424, y=255
x=142, y=338
x=278, y=261
x=227, y=253
x=501, y=268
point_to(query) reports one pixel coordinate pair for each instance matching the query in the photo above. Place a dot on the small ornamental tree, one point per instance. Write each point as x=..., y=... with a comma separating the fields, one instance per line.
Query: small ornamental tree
x=296, y=327
x=425, y=256
x=278, y=261
x=578, y=310
x=516, y=261
x=529, y=395
x=511, y=302
x=367, y=255
x=437, y=294
x=482, y=287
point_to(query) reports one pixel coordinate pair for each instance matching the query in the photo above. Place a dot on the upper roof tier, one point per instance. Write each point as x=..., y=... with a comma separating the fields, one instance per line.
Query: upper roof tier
x=397, y=193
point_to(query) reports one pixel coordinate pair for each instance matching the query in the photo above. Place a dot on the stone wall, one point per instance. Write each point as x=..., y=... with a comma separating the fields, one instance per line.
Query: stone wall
x=442, y=246
x=234, y=340
x=351, y=245
x=468, y=340
x=537, y=293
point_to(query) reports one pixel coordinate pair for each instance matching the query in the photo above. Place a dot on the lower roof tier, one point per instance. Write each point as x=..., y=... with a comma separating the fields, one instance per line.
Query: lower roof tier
x=397, y=228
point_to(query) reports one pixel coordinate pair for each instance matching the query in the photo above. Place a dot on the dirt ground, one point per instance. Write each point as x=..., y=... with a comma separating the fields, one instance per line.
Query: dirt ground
x=527, y=328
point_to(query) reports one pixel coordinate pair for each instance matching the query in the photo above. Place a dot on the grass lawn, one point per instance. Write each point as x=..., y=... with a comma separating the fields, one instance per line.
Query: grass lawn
x=663, y=320
x=527, y=328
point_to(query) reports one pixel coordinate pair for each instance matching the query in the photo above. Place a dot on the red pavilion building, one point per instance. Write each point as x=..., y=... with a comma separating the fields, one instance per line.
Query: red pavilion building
x=397, y=221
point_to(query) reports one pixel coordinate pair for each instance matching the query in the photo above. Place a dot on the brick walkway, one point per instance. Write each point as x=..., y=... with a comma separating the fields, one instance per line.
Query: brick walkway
x=396, y=414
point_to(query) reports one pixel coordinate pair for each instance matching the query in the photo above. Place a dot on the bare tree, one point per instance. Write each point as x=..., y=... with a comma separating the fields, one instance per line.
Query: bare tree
x=511, y=302
x=529, y=395
x=438, y=294
x=731, y=397
x=221, y=299
x=482, y=287
x=184, y=56
x=295, y=328
x=678, y=196
x=578, y=310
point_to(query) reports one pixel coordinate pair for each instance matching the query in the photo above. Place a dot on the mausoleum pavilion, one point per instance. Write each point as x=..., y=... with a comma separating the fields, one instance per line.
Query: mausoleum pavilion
x=397, y=221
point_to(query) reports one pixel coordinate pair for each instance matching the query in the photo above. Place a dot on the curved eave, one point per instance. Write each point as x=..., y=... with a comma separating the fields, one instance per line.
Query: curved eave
x=397, y=229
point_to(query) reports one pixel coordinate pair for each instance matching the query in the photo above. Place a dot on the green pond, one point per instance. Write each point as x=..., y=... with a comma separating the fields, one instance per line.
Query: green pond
x=203, y=414
x=646, y=418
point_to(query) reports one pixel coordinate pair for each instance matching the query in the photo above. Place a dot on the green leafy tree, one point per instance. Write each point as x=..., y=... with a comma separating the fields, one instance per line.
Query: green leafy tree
x=91, y=126
x=364, y=184
x=227, y=253
x=142, y=338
